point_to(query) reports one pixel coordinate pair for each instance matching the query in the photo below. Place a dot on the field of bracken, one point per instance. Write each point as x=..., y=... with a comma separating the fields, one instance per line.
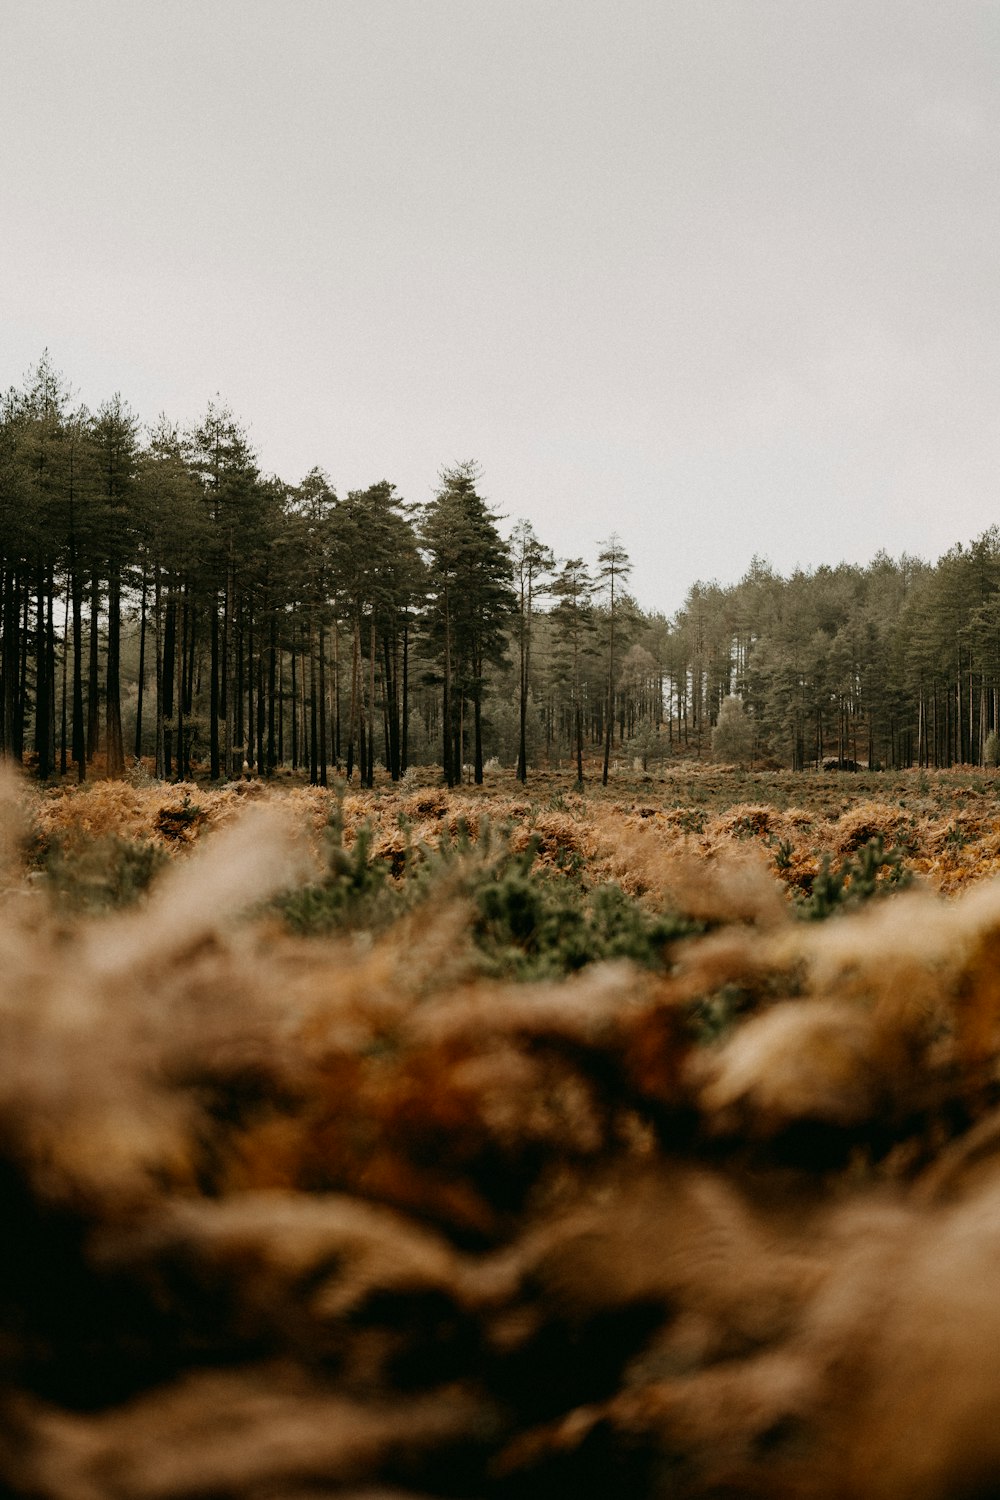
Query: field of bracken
x=501, y=1142
x=941, y=827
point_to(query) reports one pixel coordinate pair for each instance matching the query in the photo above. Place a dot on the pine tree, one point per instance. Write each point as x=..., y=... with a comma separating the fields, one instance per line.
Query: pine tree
x=225, y=463
x=532, y=560
x=470, y=604
x=573, y=619
x=614, y=568
x=115, y=442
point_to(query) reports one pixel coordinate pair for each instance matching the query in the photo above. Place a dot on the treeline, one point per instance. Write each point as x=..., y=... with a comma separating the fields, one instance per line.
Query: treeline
x=161, y=598
x=893, y=664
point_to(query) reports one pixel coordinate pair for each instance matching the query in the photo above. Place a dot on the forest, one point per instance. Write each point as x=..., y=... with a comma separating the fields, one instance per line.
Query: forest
x=163, y=600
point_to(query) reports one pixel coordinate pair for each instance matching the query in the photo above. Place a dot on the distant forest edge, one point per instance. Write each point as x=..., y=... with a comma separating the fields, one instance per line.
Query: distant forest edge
x=163, y=599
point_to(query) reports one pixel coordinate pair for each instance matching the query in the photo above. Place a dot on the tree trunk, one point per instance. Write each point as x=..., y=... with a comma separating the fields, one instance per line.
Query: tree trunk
x=313, y=721
x=63, y=727
x=404, y=748
x=167, y=680
x=446, y=725
x=183, y=750
x=12, y=716
x=272, y=664
x=323, y=777
x=295, y=709
x=142, y=667
x=112, y=687
x=93, y=699
x=43, y=707
x=214, y=686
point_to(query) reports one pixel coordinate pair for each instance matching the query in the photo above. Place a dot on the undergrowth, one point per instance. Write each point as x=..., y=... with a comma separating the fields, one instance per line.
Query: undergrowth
x=104, y=874
x=525, y=922
x=530, y=920
x=536, y=909
x=873, y=871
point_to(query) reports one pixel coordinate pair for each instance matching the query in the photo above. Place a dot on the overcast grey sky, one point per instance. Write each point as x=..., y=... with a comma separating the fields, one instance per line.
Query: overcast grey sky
x=720, y=275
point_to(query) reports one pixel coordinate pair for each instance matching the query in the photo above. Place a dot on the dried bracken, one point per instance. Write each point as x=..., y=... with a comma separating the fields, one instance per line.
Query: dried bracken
x=344, y=1216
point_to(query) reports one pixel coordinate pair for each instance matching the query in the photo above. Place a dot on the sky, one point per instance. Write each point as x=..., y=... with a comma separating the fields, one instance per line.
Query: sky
x=719, y=276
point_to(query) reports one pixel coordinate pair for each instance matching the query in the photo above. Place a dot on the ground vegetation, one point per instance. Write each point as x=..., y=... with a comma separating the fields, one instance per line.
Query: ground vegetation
x=500, y=1141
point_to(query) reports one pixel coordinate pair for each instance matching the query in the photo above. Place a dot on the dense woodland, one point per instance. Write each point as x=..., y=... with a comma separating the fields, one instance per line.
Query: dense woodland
x=164, y=599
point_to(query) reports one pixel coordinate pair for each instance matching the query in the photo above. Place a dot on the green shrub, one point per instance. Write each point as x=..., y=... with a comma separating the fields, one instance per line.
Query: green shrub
x=355, y=891
x=526, y=923
x=104, y=874
x=872, y=871
x=533, y=926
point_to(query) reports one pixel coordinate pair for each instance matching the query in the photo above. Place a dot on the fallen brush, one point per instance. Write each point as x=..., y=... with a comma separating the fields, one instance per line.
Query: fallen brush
x=342, y=1217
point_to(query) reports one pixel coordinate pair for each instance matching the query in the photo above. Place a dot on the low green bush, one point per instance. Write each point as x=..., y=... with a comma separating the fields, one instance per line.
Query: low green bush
x=104, y=874
x=526, y=923
x=872, y=871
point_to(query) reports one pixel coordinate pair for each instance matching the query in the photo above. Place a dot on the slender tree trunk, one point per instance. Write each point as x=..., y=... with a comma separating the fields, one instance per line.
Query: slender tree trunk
x=305, y=668
x=93, y=688
x=404, y=748
x=263, y=699
x=158, y=655
x=272, y=664
x=281, y=707
x=183, y=750
x=64, y=725
x=295, y=701
x=477, y=719
x=22, y=692
x=323, y=777
x=213, y=733
x=142, y=665
x=246, y=732
x=392, y=706
x=524, y=644
x=313, y=716
x=459, y=749
x=43, y=707
x=50, y=662
x=609, y=724
x=611, y=686
x=446, y=724
x=188, y=656
x=13, y=715
x=370, y=763
x=354, y=712
x=112, y=687
x=336, y=693
x=167, y=676
x=229, y=690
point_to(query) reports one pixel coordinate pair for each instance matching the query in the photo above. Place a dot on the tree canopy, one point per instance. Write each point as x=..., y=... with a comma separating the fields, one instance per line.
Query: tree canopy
x=163, y=600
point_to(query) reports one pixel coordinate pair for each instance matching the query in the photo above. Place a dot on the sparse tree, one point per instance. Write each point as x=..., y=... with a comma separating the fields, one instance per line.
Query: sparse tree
x=532, y=561
x=573, y=619
x=732, y=737
x=614, y=567
x=470, y=602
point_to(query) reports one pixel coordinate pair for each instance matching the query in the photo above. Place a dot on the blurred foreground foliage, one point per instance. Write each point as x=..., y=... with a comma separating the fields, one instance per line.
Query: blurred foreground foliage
x=324, y=1174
